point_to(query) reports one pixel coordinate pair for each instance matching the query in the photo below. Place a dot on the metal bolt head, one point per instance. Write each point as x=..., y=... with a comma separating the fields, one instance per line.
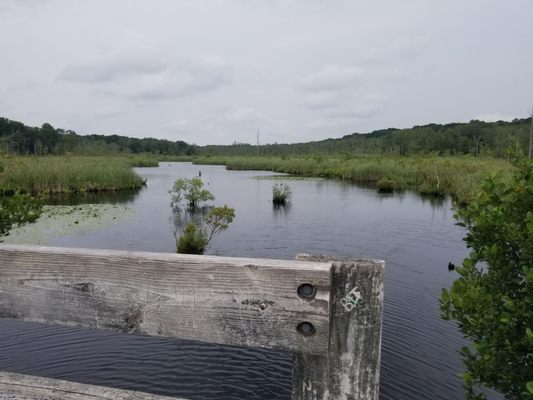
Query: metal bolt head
x=306, y=291
x=306, y=328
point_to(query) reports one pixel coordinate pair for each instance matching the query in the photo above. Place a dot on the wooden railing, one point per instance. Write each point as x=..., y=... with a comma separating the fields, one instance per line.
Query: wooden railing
x=328, y=313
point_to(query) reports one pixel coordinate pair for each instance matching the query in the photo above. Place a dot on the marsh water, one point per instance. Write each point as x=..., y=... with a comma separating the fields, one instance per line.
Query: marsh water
x=416, y=236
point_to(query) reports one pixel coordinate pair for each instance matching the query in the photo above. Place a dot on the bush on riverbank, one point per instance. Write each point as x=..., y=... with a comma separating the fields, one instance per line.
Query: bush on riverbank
x=492, y=299
x=459, y=177
x=68, y=174
x=18, y=210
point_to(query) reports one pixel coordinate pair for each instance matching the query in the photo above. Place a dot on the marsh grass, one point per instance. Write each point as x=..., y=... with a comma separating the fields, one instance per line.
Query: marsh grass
x=281, y=193
x=459, y=177
x=69, y=174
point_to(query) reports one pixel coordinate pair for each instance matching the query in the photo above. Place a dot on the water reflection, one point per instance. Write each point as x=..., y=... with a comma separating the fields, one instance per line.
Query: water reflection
x=73, y=199
x=181, y=217
x=281, y=209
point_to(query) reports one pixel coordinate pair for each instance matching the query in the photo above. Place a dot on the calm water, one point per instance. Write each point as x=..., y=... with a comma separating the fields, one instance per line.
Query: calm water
x=417, y=238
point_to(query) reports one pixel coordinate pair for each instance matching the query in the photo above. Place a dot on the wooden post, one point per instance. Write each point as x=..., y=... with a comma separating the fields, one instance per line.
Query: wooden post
x=350, y=369
x=327, y=312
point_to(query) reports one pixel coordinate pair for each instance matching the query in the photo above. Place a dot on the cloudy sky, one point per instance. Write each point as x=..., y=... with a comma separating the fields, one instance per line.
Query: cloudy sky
x=218, y=71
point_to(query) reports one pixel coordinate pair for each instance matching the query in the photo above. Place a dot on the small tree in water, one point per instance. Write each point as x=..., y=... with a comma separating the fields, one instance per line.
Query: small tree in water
x=190, y=191
x=492, y=300
x=192, y=240
x=195, y=240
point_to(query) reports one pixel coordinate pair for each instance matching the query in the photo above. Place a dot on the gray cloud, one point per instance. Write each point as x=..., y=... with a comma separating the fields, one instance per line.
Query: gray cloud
x=112, y=68
x=183, y=79
x=143, y=77
x=298, y=70
x=332, y=78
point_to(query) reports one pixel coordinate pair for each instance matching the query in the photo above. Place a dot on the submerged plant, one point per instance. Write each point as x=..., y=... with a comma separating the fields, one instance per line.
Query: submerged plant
x=190, y=191
x=281, y=193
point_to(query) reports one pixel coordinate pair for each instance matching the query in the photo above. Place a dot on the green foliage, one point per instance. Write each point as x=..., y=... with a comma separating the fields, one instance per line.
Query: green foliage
x=476, y=138
x=195, y=240
x=459, y=177
x=385, y=185
x=492, y=300
x=17, y=138
x=281, y=193
x=18, y=210
x=67, y=174
x=190, y=191
x=192, y=241
x=218, y=220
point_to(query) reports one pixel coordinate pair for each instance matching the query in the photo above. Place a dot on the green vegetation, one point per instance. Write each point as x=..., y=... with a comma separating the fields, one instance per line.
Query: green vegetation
x=434, y=159
x=281, y=193
x=385, y=185
x=17, y=138
x=69, y=174
x=492, y=300
x=459, y=177
x=195, y=240
x=192, y=241
x=476, y=138
x=18, y=210
x=189, y=190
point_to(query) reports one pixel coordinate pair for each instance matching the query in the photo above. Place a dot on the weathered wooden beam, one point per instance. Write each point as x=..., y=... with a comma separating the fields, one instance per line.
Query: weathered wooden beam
x=234, y=301
x=350, y=369
x=24, y=387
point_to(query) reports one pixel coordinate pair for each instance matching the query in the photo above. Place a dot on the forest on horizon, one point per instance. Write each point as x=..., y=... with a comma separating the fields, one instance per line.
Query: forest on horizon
x=471, y=138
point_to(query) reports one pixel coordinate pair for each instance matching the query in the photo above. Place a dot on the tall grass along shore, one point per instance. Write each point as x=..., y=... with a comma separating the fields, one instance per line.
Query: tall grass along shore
x=459, y=177
x=70, y=174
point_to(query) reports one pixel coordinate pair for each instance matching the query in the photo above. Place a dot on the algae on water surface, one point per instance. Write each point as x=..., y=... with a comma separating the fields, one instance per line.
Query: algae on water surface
x=60, y=221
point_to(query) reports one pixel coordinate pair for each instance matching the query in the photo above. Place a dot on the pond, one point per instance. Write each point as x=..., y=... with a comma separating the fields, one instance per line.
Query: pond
x=416, y=236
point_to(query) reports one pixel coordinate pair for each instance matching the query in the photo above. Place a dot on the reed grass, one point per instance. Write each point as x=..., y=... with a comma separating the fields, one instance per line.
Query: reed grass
x=70, y=174
x=459, y=177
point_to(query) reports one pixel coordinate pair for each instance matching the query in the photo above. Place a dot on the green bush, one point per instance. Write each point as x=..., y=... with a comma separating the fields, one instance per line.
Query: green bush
x=192, y=241
x=492, y=300
x=195, y=240
x=18, y=210
x=385, y=185
x=190, y=191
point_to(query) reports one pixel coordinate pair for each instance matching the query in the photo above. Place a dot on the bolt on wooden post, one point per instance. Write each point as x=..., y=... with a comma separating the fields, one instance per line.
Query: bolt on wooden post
x=350, y=368
x=327, y=312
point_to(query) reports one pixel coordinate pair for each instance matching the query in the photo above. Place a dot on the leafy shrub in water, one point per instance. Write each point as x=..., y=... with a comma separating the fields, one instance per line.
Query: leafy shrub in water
x=492, y=300
x=281, y=193
x=195, y=240
x=190, y=191
x=192, y=241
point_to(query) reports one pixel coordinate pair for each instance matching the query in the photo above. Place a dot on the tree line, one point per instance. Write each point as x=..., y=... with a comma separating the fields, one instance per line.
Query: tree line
x=17, y=138
x=473, y=138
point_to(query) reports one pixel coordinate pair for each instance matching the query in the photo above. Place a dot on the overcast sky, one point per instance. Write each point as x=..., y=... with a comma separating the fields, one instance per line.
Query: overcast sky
x=218, y=71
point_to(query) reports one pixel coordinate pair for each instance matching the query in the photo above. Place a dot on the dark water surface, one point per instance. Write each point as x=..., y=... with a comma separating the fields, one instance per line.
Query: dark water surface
x=417, y=238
